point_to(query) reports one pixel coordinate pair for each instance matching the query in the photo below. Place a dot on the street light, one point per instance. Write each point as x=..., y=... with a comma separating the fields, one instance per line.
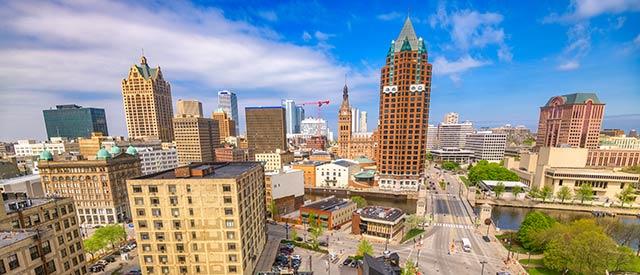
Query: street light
x=482, y=263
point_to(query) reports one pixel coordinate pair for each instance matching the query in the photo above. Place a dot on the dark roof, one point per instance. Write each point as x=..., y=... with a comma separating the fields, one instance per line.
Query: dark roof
x=382, y=265
x=578, y=98
x=263, y=107
x=381, y=213
x=344, y=163
x=330, y=203
x=221, y=170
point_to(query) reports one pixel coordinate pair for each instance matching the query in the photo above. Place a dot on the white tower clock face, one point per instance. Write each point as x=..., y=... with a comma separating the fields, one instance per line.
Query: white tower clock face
x=417, y=88
x=390, y=89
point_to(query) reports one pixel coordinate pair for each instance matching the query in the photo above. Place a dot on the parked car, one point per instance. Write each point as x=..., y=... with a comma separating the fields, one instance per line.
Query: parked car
x=323, y=243
x=96, y=268
x=353, y=264
x=296, y=257
x=347, y=262
x=110, y=259
x=102, y=262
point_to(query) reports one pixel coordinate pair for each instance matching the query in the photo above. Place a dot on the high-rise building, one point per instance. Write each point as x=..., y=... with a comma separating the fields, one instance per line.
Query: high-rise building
x=571, y=120
x=266, y=129
x=189, y=108
x=97, y=187
x=196, y=138
x=226, y=125
x=294, y=115
x=454, y=135
x=363, y=122
x=147, y=102
x=40, y=236
x=451, y=118
x=487, y=145
x=432, y=136
x=223, y=231
x=300, y=116
x=344, y=124
x=72, y=121
x=405, y=89
x=633, y=133
x=355, y=120
x=228, y=102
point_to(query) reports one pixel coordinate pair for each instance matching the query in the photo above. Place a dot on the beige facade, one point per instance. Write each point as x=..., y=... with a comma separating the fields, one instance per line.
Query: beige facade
x=275, y=161
x=89, y=146
x=606, y=184
x=196, y=138
x=147, y=102
x=206, y=218
x=226, y=125
x=40, y=236
x=189, y=108
x=613, y=157
x=97, y=186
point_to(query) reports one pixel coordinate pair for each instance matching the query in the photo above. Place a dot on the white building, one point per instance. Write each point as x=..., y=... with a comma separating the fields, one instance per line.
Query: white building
x=154, y=160
x=363, y=122
x=355, y=119
x=274, y=162
x=432, y=136
x=487, y=145
x=286, y=183
x=451, y=118
x=313, y=126
x=336, y=174
x=453, y=135
x=27, y=147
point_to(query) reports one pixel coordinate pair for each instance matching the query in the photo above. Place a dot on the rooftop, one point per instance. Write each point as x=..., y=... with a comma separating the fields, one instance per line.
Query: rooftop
x=221, y=170
x=365, y=174
x=345, y=162
x=10, y=237
x=329, y=204
x=587, y=171
x=264, y=107
x=508, y=184
x=381, y=213
x=19, y=201
x=20, y=179
x=383, y=265
x=577, y=98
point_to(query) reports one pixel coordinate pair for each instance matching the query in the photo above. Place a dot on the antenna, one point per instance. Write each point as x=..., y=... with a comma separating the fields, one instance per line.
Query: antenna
x=345, y=79
x=142, y=51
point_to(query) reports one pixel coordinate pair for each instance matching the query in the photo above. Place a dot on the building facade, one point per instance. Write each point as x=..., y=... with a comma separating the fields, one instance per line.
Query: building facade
x=344, y=124
x=607, y=142
x=451, y=118
x=454, y=135
x=432, y=136
x=405, y=89
x=274, y=161
x=309, y=171
x=313, y=127
x=363, y=122
x=457, y=155
x=613, y=158
x=266, y=129
x=147, y=102
x=379, y=223
x=72, y=121
x=331, y=212
x=205, y=218
x=226, y=125
x=228, y=102
x=196, y=138
x=285, y=189
x=229, y=154
x=337, y=174
x=487, y=146
x=153, y=160
x=189, y=108
x=293, y=116
x=353, y=144
x=571, y=120
x=57, y=146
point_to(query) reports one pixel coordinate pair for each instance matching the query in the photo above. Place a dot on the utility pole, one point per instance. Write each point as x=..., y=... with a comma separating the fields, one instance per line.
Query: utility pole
x=482, y=263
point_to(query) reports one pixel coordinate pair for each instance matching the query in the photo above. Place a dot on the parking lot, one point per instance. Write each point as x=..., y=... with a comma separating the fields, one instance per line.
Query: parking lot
x=124, y=261
x=299, y=259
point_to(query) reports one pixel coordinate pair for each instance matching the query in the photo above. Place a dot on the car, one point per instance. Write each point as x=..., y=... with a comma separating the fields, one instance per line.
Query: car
x=290, y=246
x=102, y=262
x=347, y=262
x=353, y=264
x=135, y=272
x=323, y=243
x=96, y=268
x=296, y=257
x=486, y=239
x=110, y=259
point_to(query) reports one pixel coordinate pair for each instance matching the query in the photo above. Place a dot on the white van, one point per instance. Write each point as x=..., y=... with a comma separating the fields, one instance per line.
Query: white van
x=466, y=245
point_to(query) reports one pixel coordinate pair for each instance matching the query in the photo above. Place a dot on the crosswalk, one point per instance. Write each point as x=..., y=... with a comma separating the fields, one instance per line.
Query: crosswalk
x=453, y=225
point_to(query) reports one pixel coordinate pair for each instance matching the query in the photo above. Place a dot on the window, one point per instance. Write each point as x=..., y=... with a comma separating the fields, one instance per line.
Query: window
x=227, y=199
x=2, y=269
x=35, y=252
x=233, y=258
x=153, y=189
x=46, y=248
x=172, y=188
x=155, y=201
x=228, y=211
x=229, y=223
x=13, y=262
x=139, y=201
x=137, y=189
x=233, y=269
x=226, y=188
x=140, y=212
x=231, y=235
x=39, y=270
x=51, y=267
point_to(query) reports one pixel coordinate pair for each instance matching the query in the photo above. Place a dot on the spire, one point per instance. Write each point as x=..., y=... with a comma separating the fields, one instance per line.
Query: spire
x=345, y=95
x=409, y=33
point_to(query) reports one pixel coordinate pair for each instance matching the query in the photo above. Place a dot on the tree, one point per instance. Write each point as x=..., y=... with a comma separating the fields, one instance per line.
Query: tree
x=516, y=190
x=533, y=223
x=546, y=193
x=626, y=195
x=529, y=141
x=315, y=230
x=585, y=193
x=360, y=201
x=484, y=170
x=564, y=193
x=273, y=209
x=429, y=156
x=294, y=234
x=409, y=268
x=412, y=221
x=450, y=165
x=111, y=234
x=499, y=189
x=93, y=245
x=632, y=169
x=534, y=192
x=364, y=247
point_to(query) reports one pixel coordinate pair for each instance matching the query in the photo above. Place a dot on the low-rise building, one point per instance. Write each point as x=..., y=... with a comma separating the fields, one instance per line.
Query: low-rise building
x=309, y=169
x=322, y=156
x=457, y=155
x=619, y=142
x=285, y=189
x=276, y=160
x=606, y=184
x=388, y=264
x=336, y=174
x=379, y=223
x=56, y=146
x=329, y=212
x=230, y=154
x=29, y=185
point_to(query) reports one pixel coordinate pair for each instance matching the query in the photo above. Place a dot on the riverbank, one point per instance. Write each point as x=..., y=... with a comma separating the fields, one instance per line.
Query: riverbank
x=559, y=206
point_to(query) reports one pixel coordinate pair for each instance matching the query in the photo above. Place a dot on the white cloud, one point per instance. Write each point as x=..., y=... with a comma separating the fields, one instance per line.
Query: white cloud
x=268, y=15
x=637, y=40
x=306, y=36
x=443, y=66
x=80, y=50
x=579, y=44
x=569, y=65
x=321, y=36
x=389, y=16
x=585, y=9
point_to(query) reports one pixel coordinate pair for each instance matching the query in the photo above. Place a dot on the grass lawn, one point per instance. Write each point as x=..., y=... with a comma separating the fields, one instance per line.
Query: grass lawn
x=541, y=271
x=515, y=245
x=412, y=234
x=465, y=180
x=534, y=262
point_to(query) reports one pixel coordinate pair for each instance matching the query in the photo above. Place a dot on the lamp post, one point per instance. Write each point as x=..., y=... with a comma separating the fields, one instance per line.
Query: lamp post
x=482, y=263
x=286, y=230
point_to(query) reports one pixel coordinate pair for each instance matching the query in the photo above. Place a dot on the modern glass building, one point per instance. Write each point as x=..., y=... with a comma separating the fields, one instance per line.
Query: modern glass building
x=228, y=102
x=72, y=121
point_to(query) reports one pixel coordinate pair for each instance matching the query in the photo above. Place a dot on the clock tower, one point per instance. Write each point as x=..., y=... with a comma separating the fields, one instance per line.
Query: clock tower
x=344, y=124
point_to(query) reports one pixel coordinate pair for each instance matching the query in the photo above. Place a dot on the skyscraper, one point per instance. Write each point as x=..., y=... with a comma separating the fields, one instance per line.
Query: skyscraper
x=291, y=114
x=189, y=107
x=147, y=102
x=72, y=121
x=226, y=125
x=453, y=135
x=355, y=120
x=363, y=122
x=266, y=129
x=228, y=102
x=405, y=88
x=196, y=138
x=300, y=116
x=571, y=120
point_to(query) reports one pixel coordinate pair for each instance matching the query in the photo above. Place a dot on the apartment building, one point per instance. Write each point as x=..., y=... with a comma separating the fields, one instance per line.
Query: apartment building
x=276, y=160
x=196, y=138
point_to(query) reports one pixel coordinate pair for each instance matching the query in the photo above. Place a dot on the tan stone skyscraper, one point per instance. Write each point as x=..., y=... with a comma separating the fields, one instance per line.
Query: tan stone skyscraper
x=189, y=107
x=266, y=129
x=196, y=138
x=147, y=102
x=405, y=88
x=226, y=125
x=344, y=124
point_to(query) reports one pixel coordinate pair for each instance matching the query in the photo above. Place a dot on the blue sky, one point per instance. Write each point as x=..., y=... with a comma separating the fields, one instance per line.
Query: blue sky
x=494, y=62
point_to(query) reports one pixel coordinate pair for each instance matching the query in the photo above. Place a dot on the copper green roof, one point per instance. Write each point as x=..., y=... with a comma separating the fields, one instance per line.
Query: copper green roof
x=405, y=45
x=366, y=174
x=362, y=159
x=46, y=155
x=146, y=71
x=132, y=150
x=578, y=98
x=103, y=154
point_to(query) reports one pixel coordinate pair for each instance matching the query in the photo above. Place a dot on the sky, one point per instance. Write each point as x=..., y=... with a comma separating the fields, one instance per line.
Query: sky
x=494, y=62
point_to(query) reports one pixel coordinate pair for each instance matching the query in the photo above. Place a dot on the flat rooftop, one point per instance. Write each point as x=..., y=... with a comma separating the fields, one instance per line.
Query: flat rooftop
x=13, y=204
x=590, y=171
x=329, y=204
x=381, y=213
x=10, y=237
x=221, y=170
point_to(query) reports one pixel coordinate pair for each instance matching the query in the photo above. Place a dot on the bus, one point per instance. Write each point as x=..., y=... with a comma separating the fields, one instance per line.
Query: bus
x=466, y=245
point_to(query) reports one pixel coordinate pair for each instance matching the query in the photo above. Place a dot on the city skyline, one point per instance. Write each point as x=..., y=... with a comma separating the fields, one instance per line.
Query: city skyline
x=484, y=55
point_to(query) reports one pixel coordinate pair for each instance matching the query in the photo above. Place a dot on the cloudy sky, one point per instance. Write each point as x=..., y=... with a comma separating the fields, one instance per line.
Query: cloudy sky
x=493, y=64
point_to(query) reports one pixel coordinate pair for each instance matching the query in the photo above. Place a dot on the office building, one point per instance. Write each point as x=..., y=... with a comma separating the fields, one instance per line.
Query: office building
x=613, y=157
x=451, y=118
x=293, y=116
x=619, y=142
x=404, y=112
x=432, y=136
x=153, y=160
x=331, y=212
x=571, y=120
x=147, y=102
x=89, y=147
x=196, y=139
x=285, y=190
x=226, y=125
x=57, y=146
x=266, y=129
x=204, y=218
x=72, y=121
x=97, y=187
x=228, y=102
x=337, y=174
x=452, y=154
x=487, y=145
x=308, y=168
x=189, y=108
x=313, y=127
x=454, y=135
x=379, y=224
x=352, y=144
x=633, y=133
x=355, y=119
x=388, y=264
x=231, y=154
x=40, y=236
x=300, y=116
x=275, y=161
x=363, y=122
x=518, y=136
x=612, y=132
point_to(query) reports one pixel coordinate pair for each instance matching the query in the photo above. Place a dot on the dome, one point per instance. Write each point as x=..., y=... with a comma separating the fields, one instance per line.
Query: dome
x=103, y=154
x=115, y=150
x=132, y=151
x=46, y=155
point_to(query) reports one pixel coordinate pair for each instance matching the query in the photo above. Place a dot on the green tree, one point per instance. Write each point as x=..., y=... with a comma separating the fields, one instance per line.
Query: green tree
x=534, y=192
x=546, y=193
x=273, y=210
x=564, y=193
x=360, y=201
x=316, y=230
x=499, y=189
x=529, y=141
x=409, y=268
x=364, y=247
x=293, y=234
x=632, y=169
x=412, y=221
x=533, y=223
x=516, y=190
x=111, y=234
x=429, y=156
x=627, y=195
x=484, y=170
x=585, y=193
x=92, y=245
x=450, y=165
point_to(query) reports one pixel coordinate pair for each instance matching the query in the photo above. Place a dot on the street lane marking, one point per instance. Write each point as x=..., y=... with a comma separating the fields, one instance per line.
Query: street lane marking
x=453, y=225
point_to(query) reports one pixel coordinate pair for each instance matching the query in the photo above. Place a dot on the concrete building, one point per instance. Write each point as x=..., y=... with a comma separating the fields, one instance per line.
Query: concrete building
x=454, y=135
x=228, y=102
x=274, y=161
x=378, y=223
x=57, y=146
x=308, y=168
x=154, y=160
x=313, y=126
x=337, y=174
x=285, y=189
x=457, y=155
x=363, y=122
x=613, y=157
x=266, y=129
x=612, y=132
x=72, y=121
x=571, y=120
x=40, y=236
x=98, y=186
x=432, y=137
x=355, y=120
x=517, y=136
x=619, y=142
x=226, y=125
x=196, y=138
x=487, y=145
x=385, y=264
x=205, y=218
x=451, y=118
x=89, y=147
x=633, y=133
x=147, y=102
x=230, y=154
x=189, y=108
x=29, y=185
x=331, y=213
